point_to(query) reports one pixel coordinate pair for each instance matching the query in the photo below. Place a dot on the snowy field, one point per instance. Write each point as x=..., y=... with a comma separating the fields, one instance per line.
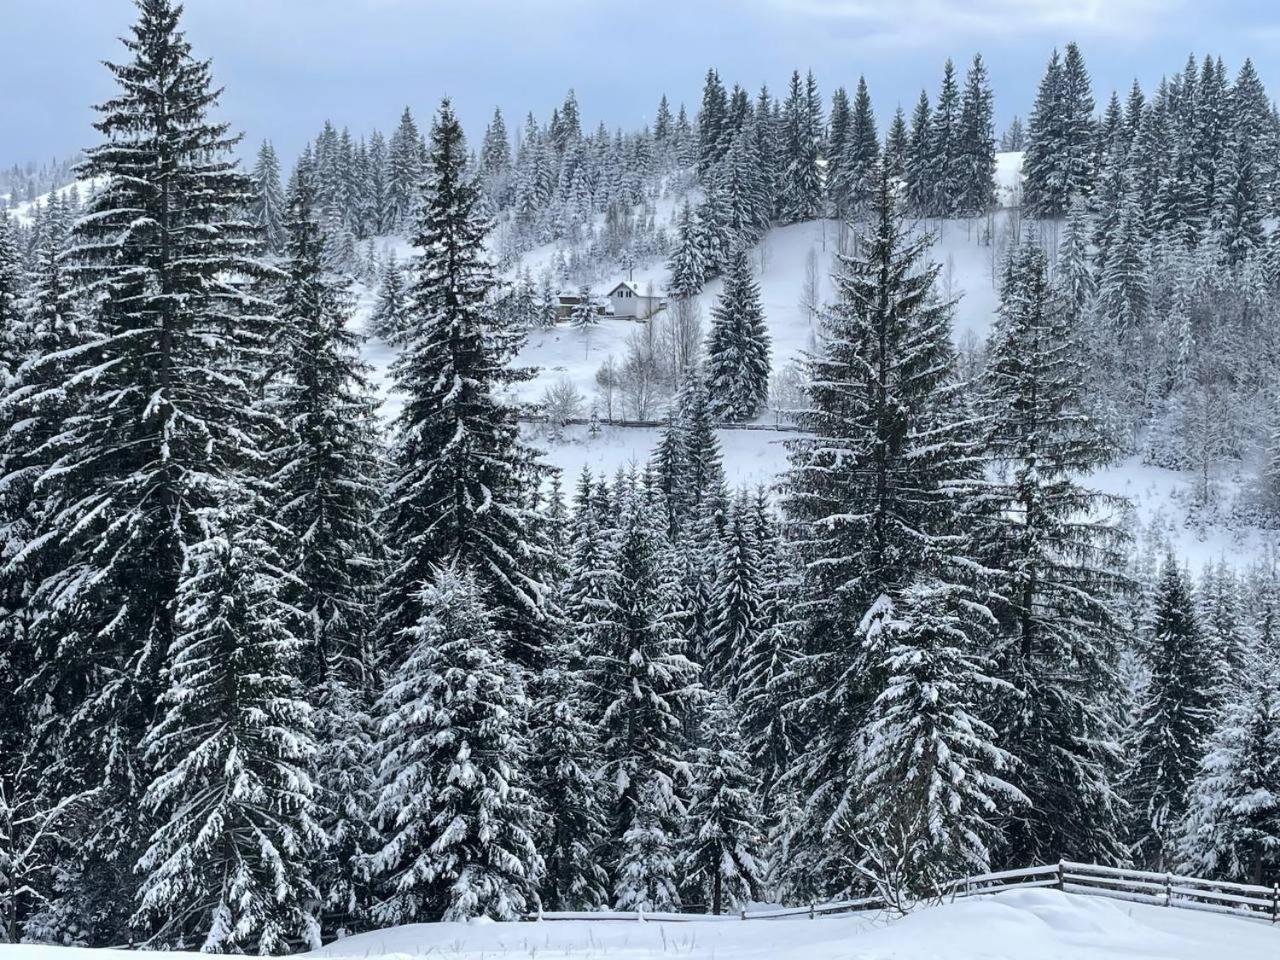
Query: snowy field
x=1015, y=925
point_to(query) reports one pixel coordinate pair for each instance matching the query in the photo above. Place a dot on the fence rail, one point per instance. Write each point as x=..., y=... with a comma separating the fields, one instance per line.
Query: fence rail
x=1244, y=900
x=539, y=418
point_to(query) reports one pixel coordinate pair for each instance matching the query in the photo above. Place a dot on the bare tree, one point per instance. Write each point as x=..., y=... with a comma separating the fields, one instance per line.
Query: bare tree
x=787, y=390
x=561, y=403
x=809, y=293
x=682, y=338
x=607, y=381
x=641, y=374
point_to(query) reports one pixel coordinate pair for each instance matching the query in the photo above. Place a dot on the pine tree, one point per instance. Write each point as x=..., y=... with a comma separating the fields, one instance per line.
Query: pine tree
x=737, y=364
x=896, y=142
x=162, y=420
x=837, y=136
x=719, y=855
x=453, y=775
x=458, y=467
x=1061, y=575
x=1172, y=722
x=228, y=864
x=268, y=204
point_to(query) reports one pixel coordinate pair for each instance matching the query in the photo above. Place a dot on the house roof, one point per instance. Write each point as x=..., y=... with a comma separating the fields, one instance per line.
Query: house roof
x=634, y=288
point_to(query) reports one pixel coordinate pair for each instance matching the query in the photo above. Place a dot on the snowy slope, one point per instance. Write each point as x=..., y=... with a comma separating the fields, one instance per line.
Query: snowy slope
x=968, y=258
x=23, y=212
x=1016, y=925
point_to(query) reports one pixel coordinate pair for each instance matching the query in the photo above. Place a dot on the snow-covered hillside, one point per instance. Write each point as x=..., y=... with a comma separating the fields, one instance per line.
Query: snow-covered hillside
x=1016, y=925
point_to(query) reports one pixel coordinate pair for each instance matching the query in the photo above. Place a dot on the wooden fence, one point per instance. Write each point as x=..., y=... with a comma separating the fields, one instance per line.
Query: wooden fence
x=1247, y=901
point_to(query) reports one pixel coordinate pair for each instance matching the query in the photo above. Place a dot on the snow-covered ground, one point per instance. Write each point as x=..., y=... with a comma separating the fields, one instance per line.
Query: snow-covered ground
x=1015, y=925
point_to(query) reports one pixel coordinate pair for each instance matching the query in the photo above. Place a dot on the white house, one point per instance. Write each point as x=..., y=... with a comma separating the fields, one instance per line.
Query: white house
x=628, y=300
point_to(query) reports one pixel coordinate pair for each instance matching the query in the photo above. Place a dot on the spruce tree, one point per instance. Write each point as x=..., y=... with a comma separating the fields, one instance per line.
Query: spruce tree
x=228, y=865
x=917, y=166
x=737, y=353
x=854, y=182
x=1232, y=828
x=1061, y=574
x=719, y=855
x=933, y=779
x=388, y=320
x=458, y=468
x=564, y=761
x=268, y=204
x=405, y=172
x=327, y=496
x=688, y=264
x=976, y=148
x=453, y=775
x=643, y=686
x=868, y=507
x=801, y=189
x=162, y=422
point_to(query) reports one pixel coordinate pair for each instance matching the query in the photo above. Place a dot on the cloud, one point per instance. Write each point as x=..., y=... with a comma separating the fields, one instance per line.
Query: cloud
x=918, y=22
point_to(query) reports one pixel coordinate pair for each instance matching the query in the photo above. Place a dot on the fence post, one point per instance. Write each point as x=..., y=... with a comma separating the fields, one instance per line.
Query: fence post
x=813, y=910
x=1168, y=889
x=1062, y=880
x=1275, y=903
x=743, y=913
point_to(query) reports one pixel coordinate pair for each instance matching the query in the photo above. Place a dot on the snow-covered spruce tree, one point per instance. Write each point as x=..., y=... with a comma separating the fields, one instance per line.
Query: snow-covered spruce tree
x=975, y=143
x=165, y=416
x=1232, y=828
x=327, y=494
x=719, y=851
x=643, y=687
x=584, y=316
x=388, y=319
x=688, y=265
x=917, y=171
x=268, y=206
x=737, y=352
x=406, y=166
x=646, y=874
x=854, y=181
x=1061, y=574
x=687, y=466
x=945, y=173
x=764, y=670
x=801, y=187
x=1058, y=163
x=735, y=603
x=934, y=786
x=1174, y=717
x=564, y=764
x=458, y=467
x=453, y=771
x=228, y=864
x=868, y=506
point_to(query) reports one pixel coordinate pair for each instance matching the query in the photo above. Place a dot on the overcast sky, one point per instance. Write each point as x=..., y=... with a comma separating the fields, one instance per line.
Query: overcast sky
x=289, y=64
